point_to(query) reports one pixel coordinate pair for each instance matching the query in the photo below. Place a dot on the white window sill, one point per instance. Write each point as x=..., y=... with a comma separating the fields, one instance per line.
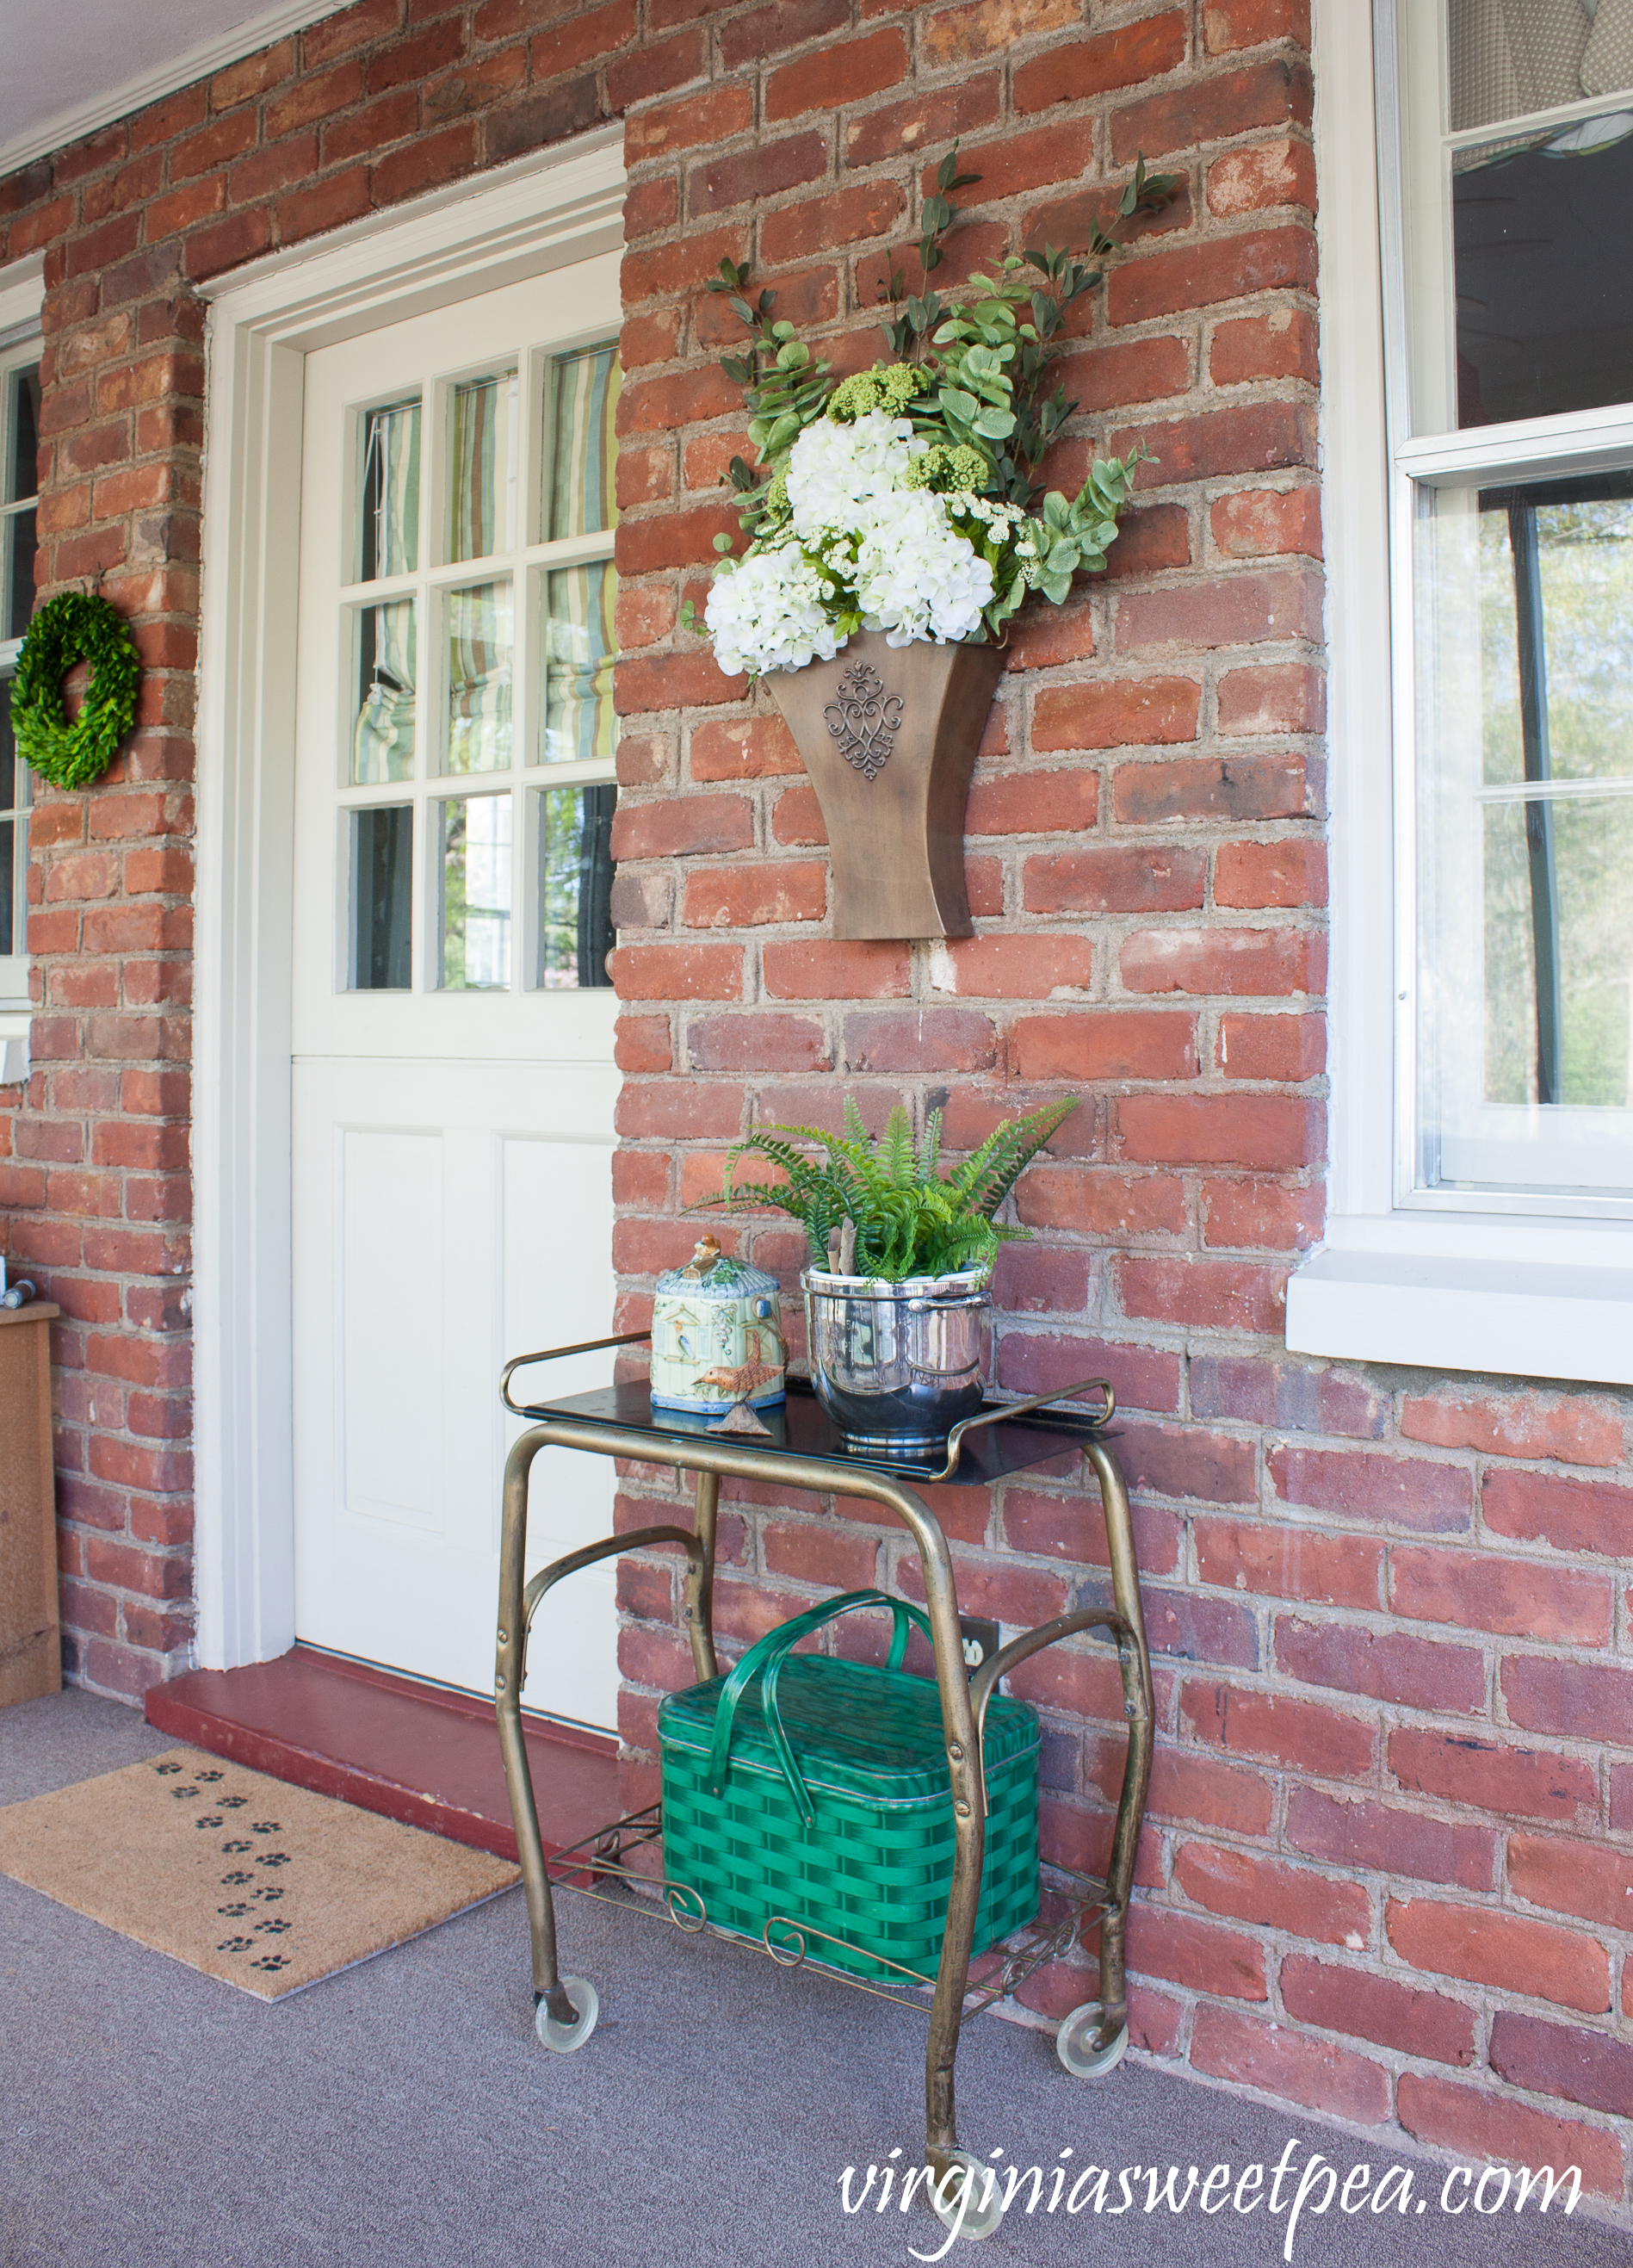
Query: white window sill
x=1553, y=1300
x=14, y=1045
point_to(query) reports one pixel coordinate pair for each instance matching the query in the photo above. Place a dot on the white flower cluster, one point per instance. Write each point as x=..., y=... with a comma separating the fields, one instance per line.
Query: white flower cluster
x=858, y=541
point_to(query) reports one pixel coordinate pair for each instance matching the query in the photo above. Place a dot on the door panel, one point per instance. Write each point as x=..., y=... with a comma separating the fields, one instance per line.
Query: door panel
x=452, y=1077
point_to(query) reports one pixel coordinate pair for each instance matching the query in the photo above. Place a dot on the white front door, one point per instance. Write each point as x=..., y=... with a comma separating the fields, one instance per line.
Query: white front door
x=453, y=1023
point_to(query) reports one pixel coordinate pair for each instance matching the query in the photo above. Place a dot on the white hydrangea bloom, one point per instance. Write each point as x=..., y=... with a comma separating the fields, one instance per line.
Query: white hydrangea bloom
x=766, y=613
x=916, y=576
x=835, y=472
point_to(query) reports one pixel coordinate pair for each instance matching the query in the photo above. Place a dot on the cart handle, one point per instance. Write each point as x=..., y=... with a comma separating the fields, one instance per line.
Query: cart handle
x=558, y=1354
x=1007, y=1411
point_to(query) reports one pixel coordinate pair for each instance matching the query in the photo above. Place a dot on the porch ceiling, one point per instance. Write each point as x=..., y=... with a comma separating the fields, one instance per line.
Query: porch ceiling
x=76, y=65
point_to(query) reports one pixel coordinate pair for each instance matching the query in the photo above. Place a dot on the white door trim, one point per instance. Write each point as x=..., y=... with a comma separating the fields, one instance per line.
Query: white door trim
x=545, y=212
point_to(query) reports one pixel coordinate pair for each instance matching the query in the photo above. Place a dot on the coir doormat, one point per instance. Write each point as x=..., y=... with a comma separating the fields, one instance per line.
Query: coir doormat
x=247, y=1878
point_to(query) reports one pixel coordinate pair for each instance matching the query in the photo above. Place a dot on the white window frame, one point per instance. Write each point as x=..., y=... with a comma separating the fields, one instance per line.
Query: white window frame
x=547, y=210
x=1447, y=1287
x=22, y=300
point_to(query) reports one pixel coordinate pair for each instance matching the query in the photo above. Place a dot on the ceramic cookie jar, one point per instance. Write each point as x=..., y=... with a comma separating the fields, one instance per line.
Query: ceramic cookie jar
x=716, y=1340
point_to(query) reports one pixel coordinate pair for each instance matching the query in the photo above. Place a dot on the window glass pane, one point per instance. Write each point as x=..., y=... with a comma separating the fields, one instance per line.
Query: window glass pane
x=481, y=467
x=10, y=770
x=585, y=455
x=382, y=895
x=22, y=427
x=480, y=639
x=382, y=740
x=574, y=887
x=8, y=879
x=579, y=644
x=390, y=512
x=17, y=573
x=1525, y=918
x=475, y=863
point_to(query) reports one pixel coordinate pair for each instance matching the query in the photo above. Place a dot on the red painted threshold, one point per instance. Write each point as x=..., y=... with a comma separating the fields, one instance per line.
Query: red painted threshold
x=390, y=1744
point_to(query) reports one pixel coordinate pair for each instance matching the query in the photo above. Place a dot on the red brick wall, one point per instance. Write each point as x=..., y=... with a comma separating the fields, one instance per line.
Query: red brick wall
x=1392, y=1823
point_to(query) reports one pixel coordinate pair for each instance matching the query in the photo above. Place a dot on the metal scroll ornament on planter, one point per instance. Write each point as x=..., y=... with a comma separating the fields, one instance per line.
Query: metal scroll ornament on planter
x=74, y=628
x=889, y=736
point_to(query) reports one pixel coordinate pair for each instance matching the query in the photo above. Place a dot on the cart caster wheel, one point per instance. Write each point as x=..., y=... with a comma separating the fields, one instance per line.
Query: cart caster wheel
x=1074, y=2044
x=560, y=2038
x=978, y=2219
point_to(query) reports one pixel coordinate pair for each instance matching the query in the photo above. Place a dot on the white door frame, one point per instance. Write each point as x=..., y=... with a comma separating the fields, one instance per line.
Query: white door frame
x=547, y=211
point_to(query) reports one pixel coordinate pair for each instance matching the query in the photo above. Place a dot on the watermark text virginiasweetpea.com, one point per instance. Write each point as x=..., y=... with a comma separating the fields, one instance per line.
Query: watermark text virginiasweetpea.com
x=1288, y=2187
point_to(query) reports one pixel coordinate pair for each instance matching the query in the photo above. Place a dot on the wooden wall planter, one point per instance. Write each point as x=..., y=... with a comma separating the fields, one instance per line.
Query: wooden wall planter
x=889, y=735
x=31, y=1659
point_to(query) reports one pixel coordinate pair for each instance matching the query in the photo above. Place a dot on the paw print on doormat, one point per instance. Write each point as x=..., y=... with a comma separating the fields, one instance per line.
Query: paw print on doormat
x=265, y=1827
x=210, y=1819
x=232, y=1802
x=236, y=1945
x=271, y=1960
x=209, y=1775
x=273, y=1859
x=273, y=1926
x=234, y=1882
x=269, y=1893
x=181, y=1794
x=164, y=1770
x=233, y=1913
x=232, y=1849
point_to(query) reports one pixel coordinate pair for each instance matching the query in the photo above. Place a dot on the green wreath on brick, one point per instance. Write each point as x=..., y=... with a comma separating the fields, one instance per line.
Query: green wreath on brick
x=74, y=628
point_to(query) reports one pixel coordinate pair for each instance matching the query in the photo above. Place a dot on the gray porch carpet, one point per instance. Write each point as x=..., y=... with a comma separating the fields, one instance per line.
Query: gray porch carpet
x=400, y=2115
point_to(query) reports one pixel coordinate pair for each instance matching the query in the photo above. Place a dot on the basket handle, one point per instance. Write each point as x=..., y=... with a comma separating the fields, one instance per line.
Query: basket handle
x=768, y=1655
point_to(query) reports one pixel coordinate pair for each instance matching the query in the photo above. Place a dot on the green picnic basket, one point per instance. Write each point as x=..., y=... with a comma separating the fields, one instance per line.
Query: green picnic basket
x=820, y=1820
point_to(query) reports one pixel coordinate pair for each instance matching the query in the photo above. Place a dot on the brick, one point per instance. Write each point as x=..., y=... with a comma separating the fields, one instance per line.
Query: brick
x=938, y=1039
x=784, y=1043
x=1572, y=1515
x=1232, y=962
x=1033, y=803
x=1479, y=2125
x=1209, y=1294
x=1408, y=1491
x=1258, y=523
x=702, y=119
x=1231, y=25
x=1283, y=343
x=1262, y=437
x=678, y=972
x=1502, y=1950
x=1545, y=2058
x=1129, y=57
x=682, y=825
x=1217, y=1631
x=843, y=217
x=1264, y=176
x=1187, y=1461
x=837, y=74
x=546, y=115
x=727, y=897
x=1142, y=1378
x=1236, y=609
x=1573, y=1878
x=1545, y=1696
x=1029, y=1280
x=1391, y=1666
x=975, y=28
x=1242, y=1887
x=824, y=970
x=1316, y=2072
x=371, y=127
x=1122, y=879
x=1486, y=1775
x=1288, y=1563
x=769, y=31
x=813, y=1551
x=1072, y=1530
x=1197, y=1955
x=1386, y=1839
x=1213, y=787
x=762, y=173
x=1407, y=2018
x=1157, y=283
x=1573, y=1428
x=1100, y=1203
x=1212, y=108
x=1302, y=1735
x=1520, y=1598
x=1012, y=967
x=1260, y=1215
x=1117, y=712
x=1098, y=1044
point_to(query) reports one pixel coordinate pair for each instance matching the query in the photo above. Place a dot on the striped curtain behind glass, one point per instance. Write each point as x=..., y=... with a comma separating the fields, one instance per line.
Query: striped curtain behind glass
x=391, y=491
x=586, y=446
x=582, y=645
x=478, y=678
x=483, y=414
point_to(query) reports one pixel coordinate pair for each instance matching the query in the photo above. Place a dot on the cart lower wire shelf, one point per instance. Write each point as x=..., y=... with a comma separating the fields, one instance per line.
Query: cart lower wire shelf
x=804, y=1451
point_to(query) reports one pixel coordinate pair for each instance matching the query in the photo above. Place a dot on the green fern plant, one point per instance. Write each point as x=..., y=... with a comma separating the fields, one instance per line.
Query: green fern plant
x=907, y=1216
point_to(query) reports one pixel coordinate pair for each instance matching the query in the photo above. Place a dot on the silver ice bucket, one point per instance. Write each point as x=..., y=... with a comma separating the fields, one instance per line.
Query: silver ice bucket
x=897, y=1365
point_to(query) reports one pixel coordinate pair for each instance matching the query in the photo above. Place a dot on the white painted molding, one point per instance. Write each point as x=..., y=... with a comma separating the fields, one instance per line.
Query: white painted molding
x=22, y=298
x=546, y=212
x=205, y=56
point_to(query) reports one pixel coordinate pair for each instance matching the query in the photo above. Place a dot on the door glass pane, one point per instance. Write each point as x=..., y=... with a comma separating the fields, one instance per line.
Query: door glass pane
x=483, y=466
x=1544, y=318
x=22, y=424
x=580, y=645
x=1526, y=709
x=17, y=572
x=390, y=512
x=475, y=864
x=382, y=740
x=585, y=452
x=382, y=894
x=574, y=887
x=479, y=640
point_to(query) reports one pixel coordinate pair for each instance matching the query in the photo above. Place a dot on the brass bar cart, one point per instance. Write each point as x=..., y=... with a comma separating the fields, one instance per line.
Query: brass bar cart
x=806, y=1450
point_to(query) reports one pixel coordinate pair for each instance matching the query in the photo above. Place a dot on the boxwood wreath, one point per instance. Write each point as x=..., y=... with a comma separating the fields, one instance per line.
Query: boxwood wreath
x=71, y=628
